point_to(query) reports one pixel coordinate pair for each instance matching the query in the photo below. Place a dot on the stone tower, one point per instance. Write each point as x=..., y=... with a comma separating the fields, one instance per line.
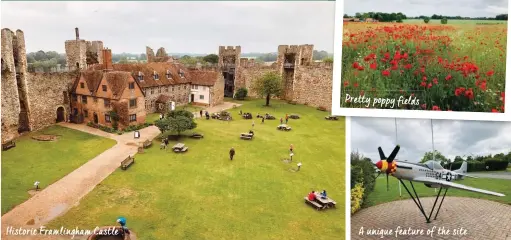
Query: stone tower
x=96, y=47
x=229, y=62
x=149, y=54
x=76, y=52
x=290, y=58
x=15, y=102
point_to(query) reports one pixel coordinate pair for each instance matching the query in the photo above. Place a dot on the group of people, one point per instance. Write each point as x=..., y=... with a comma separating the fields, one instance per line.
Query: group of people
x=206, y=113
x=286, y=119
x=312, y=195
x=164, y=144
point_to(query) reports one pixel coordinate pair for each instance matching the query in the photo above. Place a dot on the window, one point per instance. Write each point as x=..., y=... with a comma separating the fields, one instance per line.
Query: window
x=85, y=113
x=156, y=76
x=133, y=103
x=178, y=87
x=95, y=99
x=107, y=118
x=133, y=117
x=201, y=97
x=181, y=73
x=172, y=88
x=82, y=85
x=75, y=98
x=104, y=88
x=84, y=99
x=159, y=90
x=167, y=89
x=140, y=76
x=132, y=85
x=107, y=103
x=152, y=90
x=168, y=75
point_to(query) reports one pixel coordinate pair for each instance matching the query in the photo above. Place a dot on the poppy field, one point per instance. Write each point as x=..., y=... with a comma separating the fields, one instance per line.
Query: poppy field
x=440, y=67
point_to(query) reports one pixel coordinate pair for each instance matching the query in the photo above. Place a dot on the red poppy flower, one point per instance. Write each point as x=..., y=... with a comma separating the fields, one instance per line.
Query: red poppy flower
x=490, y=73
x=423, y=84
x=436, y=108
x=430, y=85
x=494, y=110
x=423, y=106
x=373, y=66
x=469, y=94
x=408, y=66
x=360, y=68
x=435, y=81
x=385, y=73
x=355, y=65
x=355, y=84
x=346, y=83
x=449, y=77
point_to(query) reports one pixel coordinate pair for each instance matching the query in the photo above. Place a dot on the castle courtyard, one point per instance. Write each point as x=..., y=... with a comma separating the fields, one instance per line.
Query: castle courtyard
x=201, y=194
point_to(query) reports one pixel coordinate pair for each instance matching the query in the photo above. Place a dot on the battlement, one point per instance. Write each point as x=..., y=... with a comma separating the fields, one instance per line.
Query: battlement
x=229, y=50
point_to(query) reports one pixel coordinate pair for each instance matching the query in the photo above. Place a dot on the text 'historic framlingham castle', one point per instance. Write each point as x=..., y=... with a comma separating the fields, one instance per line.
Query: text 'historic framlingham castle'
x=91, y=87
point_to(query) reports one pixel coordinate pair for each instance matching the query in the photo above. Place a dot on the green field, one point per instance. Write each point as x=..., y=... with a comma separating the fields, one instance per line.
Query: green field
x=381, y=195
x=203, y=195
x=45, y=162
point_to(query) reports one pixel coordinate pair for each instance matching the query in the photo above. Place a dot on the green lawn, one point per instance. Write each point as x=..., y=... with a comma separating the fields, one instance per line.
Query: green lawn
x=381, y=195
x=203, y=195
x=45, y=162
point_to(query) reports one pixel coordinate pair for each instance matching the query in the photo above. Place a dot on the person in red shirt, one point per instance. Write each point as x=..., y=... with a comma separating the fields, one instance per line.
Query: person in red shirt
x=312, y=196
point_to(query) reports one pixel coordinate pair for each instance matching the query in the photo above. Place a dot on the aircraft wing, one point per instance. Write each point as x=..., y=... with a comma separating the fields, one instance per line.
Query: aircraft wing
x=464, y=175
x=455, y=185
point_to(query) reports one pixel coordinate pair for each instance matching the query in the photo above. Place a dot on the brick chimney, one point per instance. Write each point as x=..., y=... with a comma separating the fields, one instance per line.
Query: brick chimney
x=77, y=33
x=107, y=59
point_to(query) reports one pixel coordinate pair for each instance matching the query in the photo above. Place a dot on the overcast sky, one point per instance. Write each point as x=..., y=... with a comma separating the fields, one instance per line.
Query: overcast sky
x=183, y=27
x=451, y=138
x=464, y=8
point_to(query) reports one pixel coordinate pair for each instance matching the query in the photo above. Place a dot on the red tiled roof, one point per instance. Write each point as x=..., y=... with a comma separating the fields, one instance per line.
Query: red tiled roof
x=93, y=79
x=203, y=78
x=118, y=81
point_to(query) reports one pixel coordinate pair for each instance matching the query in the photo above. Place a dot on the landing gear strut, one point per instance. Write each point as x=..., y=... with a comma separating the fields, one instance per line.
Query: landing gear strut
x=419, y=204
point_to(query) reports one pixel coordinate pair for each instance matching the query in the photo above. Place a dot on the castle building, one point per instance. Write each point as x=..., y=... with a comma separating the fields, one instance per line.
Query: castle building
x=93, y=86
x=96, y=94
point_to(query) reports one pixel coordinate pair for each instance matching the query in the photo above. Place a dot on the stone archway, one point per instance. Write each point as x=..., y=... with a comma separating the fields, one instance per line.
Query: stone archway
x=61, y=114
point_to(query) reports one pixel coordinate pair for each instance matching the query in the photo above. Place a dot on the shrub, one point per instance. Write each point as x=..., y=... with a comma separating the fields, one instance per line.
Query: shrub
x=495, y=164
x=426, y=20
x=241, y=94
x=443, y=21
x=357, y=196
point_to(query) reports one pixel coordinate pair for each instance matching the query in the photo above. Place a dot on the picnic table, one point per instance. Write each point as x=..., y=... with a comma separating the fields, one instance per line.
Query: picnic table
x=328, y=202
x=196, y=135
x=247, y=136
x=294, y=116
x=331, y=118
x=284, y=127
x=179, y=148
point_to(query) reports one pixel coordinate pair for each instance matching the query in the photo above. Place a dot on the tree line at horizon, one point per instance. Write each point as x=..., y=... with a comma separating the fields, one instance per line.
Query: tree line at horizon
x=399, y=17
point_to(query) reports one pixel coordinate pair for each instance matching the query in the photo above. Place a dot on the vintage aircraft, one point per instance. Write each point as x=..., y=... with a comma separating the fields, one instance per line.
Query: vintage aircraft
x=431, y=173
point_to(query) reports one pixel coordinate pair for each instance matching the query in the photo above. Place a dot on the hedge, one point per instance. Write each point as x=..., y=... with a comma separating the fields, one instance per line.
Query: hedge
x=357, y=196
x=478, y=166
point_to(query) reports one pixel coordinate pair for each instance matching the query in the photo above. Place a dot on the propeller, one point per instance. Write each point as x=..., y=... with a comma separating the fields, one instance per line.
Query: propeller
x=385, y=163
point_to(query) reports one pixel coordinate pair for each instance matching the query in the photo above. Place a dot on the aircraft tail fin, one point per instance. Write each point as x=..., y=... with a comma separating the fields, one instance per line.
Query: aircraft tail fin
x=463, y=169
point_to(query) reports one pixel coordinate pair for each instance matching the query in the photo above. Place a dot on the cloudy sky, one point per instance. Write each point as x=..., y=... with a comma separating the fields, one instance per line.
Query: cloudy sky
x=465, y=8
x=180, y=27
x=451, y=138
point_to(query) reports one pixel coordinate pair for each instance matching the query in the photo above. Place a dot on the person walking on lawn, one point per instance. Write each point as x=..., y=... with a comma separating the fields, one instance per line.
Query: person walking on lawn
x=287, y=118
x=231, y=153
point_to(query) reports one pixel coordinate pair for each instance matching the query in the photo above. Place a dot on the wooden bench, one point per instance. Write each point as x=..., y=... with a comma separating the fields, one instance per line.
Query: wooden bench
x=314, y=204
x=331, y=118
x=147, y=143
x=197, y=135
x=127, y=162
x=8, y=145
x=294, y=116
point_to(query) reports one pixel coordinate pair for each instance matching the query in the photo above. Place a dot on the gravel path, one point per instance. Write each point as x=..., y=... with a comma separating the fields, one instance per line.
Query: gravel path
x=59, y=197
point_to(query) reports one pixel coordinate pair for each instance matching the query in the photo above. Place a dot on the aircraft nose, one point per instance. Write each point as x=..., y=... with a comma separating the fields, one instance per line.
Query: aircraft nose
x=379, y=164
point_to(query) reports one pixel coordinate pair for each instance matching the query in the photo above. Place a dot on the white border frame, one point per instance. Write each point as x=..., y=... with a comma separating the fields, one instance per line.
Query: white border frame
x=347, y=172
x=394, y=113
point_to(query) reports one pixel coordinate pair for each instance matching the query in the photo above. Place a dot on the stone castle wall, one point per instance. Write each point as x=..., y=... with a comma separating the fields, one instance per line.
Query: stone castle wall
x=96, y=47
x=47, y=92
x=217, y=91
x=247, y=76
x=76, y=52
x=313, y=85
x=10, y=98
x=178, y=93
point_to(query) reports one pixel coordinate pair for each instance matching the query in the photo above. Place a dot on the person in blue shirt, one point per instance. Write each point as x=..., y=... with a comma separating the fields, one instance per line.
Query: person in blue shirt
x=323, y=194
x=122, y=221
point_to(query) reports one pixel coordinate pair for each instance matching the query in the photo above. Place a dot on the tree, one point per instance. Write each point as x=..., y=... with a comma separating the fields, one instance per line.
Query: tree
x=426, y=20
x=123, y=60
x=91, y=58
x=268, y=85
x=399, y=20
x=328, y=60
x=458, y=159
x=211, y=58
x=443, y=21
x=241, y=93
x=437, y=157
x=176, y=122
x=318, y=55
x=40, y=56
x=142, y=57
